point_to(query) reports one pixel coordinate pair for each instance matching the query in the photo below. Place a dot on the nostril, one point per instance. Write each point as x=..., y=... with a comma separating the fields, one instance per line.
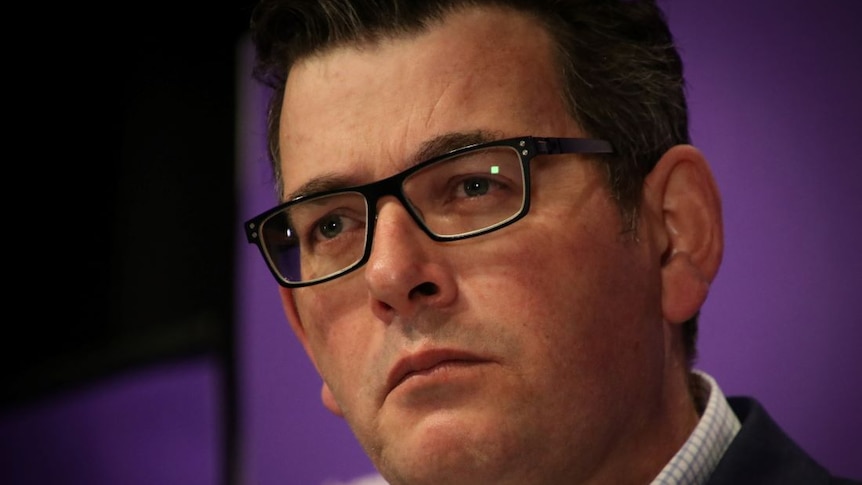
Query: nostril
x=425, y=289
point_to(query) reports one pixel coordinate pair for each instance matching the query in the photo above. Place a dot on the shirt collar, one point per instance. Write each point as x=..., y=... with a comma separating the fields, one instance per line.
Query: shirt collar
x=698, y=457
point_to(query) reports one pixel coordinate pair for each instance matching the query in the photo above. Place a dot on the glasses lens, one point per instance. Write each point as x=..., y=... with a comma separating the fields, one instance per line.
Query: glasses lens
x=468, y=193
x=316, y=238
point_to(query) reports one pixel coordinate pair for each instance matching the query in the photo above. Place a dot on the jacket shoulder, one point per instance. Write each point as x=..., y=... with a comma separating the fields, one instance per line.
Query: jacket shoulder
x=762, y=453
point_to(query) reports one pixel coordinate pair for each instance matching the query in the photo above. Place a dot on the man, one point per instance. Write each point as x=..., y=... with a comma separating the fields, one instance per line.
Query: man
x=495, y=241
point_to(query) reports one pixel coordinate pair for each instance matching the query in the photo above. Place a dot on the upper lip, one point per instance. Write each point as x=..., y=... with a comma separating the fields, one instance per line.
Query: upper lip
x=424, y=360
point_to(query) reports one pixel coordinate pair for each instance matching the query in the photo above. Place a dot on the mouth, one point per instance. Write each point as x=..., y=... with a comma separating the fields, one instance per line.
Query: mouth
x=427, y=363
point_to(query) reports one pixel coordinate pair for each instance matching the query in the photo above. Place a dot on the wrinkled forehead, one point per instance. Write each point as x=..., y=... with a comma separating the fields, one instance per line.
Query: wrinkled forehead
x=361, y=111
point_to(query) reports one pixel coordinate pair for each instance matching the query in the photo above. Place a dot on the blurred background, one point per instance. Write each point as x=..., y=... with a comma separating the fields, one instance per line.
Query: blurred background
x=145, y=342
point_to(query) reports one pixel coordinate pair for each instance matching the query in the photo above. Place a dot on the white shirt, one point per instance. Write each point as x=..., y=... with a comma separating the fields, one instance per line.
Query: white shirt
x=698, y=457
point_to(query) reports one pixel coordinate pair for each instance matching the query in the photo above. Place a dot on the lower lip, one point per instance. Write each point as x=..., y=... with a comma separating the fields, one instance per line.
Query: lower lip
x=442, y=373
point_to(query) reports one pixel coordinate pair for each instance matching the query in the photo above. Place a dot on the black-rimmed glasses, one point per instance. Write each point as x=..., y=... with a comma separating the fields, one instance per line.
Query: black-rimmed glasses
x=464, y=193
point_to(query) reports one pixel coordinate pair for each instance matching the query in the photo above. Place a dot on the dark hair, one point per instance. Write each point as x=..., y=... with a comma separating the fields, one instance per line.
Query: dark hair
x=621, y=72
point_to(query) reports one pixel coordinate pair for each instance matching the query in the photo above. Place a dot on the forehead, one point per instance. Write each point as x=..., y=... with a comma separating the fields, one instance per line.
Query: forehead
x=361, y=112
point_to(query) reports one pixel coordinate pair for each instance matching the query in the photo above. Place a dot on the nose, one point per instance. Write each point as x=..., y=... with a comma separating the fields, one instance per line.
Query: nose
x=406, y=270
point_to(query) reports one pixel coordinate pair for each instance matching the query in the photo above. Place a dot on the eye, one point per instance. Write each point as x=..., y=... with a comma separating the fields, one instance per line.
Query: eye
x=334, y=226
x=476, y=186
x=328, y=221
x=330, y=227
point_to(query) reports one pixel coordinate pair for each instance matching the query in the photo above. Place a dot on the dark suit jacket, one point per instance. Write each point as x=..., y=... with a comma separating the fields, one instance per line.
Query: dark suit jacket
x=762, y=454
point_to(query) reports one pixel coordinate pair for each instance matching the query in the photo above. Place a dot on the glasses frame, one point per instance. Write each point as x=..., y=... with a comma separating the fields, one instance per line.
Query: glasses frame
x=527, y=147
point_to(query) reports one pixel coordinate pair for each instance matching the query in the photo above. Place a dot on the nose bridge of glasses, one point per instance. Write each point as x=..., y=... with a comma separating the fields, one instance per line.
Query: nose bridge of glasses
x=379, y=193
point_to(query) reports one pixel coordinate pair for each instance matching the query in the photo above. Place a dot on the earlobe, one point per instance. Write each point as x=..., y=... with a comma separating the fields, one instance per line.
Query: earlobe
x=684, y=189
x=329, y=401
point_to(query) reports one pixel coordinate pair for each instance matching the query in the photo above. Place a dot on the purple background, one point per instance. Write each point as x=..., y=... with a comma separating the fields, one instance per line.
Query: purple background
x=775, y=102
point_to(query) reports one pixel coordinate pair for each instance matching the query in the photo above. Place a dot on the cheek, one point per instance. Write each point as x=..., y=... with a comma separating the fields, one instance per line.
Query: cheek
x=340, y=340
x=582, y=296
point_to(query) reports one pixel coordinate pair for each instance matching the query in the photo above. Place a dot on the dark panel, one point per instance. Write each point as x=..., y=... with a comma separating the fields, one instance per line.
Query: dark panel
x=128, y=214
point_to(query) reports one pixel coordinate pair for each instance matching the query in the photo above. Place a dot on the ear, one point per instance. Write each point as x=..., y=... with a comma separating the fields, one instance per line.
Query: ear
x=682, y=189
x=289, y=304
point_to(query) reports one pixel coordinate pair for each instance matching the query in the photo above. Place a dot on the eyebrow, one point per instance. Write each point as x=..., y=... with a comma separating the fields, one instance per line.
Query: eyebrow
x=321, y=183
x=445, y=143
x=439, y=145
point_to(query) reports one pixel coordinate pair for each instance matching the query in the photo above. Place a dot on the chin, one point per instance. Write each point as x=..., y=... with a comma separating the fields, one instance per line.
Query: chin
x=452, y=447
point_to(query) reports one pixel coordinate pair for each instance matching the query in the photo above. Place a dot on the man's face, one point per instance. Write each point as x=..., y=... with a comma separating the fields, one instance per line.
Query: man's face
x=530, y=354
